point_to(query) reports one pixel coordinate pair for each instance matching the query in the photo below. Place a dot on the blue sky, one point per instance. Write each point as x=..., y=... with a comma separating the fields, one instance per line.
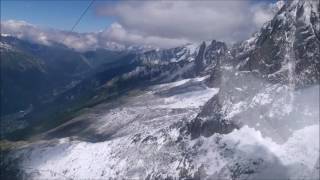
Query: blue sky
x=60, y=14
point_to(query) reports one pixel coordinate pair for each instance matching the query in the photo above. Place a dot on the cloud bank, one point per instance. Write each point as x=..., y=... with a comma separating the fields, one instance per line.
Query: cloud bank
x=26, y=31
x=179, y=21
x=161, y=24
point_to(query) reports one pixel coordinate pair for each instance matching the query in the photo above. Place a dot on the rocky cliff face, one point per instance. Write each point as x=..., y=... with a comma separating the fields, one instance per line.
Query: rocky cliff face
x=286, y=46
x=193, y=59
x=283, y=54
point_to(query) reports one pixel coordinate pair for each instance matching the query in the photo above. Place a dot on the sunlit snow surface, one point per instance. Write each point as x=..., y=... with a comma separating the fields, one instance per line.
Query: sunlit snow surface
x=258, y=157
x=140, y=138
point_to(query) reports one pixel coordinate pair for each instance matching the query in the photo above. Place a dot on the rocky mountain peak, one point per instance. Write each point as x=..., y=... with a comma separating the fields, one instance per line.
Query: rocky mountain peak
x=289, y=40
x=285, y=52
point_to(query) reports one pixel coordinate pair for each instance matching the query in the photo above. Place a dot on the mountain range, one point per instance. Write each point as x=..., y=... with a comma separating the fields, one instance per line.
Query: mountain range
x=199, y=111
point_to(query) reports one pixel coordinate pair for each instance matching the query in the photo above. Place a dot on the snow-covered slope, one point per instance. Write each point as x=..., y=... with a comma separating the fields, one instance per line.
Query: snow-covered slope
x=142, y=137
x=139, y=136
x=248, y=112
x=247, y=154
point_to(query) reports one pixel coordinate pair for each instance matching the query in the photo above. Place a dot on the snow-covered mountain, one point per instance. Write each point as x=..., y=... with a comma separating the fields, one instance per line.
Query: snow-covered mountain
x=202, y=111
x=289, y=43
x=112, y=78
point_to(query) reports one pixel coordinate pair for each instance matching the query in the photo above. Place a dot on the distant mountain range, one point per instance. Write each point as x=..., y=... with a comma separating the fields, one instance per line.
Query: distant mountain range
x=67, y=80
x=34, y=73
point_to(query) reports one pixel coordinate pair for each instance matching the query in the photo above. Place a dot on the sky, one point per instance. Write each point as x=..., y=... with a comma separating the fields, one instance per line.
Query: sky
x=60, y=14
x=124, y=23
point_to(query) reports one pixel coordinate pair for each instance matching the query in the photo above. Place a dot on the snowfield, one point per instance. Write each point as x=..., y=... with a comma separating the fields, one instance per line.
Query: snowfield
x=136, y=135
x=141, y=138
x=122, y=158
x=257, y=156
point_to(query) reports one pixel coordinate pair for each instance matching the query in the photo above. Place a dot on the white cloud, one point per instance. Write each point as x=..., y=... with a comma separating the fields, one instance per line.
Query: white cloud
x=114, y=37
x=265, y=12
x=161, y=24
x=24, y=30
x=117, y=33
x=229, y=21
